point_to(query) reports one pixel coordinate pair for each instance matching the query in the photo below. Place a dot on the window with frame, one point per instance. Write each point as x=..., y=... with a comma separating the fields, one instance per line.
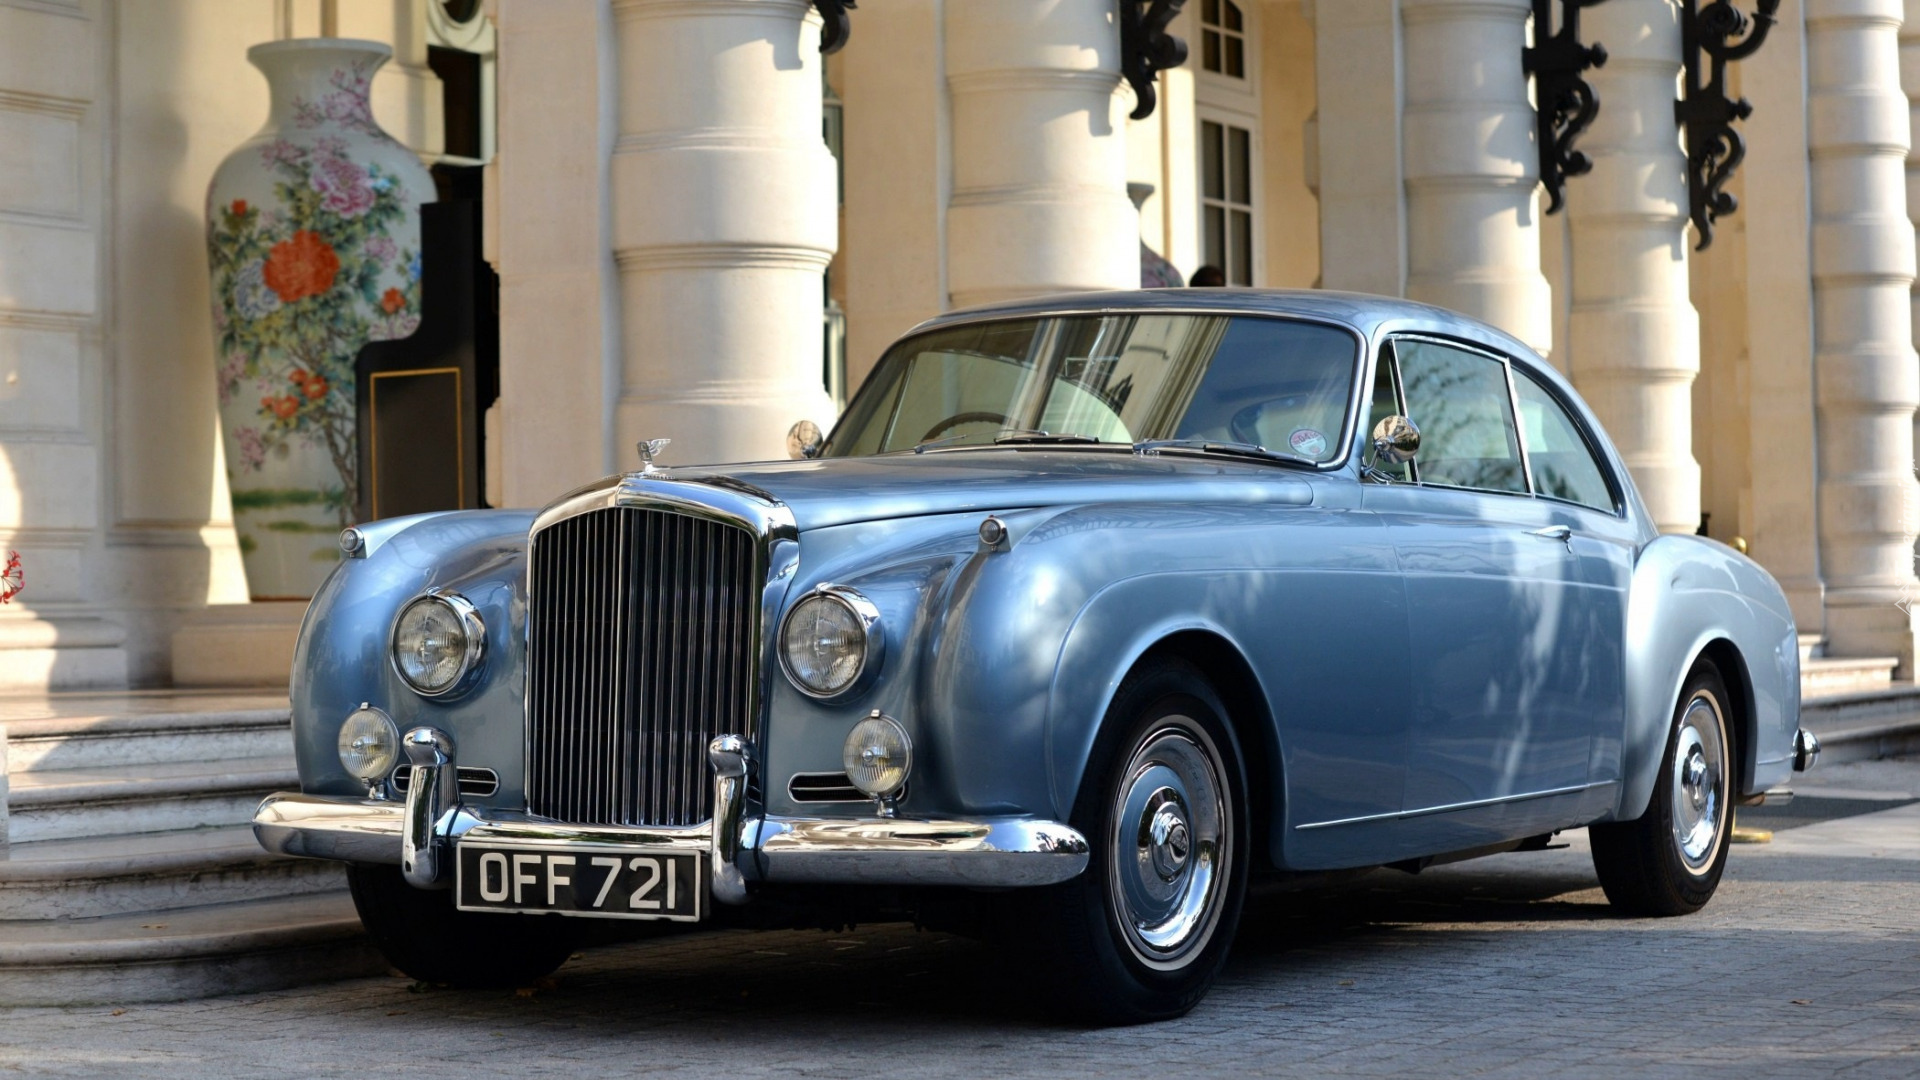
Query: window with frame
x=1223, y=38
x=1460, y=402
x=1563, y=462
x=1226, y=199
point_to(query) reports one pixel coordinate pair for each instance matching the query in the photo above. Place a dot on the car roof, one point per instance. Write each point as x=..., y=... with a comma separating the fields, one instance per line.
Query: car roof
x=1366, y=313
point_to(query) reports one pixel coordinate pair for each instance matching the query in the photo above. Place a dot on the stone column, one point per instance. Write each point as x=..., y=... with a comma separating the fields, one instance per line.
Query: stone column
x=1356, y=169
x=1634, y=338
x=1039, y=200
x=1866, y=383
x=1783, y=447
x=723, y=224
x=1472, y=174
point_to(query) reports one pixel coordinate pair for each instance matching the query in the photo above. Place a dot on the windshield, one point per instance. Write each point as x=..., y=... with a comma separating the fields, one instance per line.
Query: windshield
x=1276, y=383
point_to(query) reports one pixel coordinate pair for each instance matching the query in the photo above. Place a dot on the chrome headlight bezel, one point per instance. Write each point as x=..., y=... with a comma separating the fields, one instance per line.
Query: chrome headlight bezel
x=468, y=618
x=873, y=642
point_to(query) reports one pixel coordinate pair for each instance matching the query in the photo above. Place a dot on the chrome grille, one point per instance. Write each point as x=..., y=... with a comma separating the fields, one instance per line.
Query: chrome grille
x=641, y=631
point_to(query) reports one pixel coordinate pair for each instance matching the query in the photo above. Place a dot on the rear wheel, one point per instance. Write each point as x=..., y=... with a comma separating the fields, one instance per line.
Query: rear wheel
x=1669, y=861
x=426, y=937
x=1141, y=935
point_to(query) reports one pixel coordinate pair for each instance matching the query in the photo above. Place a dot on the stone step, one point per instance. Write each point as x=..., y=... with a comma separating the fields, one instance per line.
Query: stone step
x=101, y=742
x=187, y=953
x=119, y=875
x=1864, y=726
x=1845, y=675
x=62, y=804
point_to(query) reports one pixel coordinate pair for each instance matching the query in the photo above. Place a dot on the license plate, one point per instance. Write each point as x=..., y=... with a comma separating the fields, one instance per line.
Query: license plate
x=598, y=881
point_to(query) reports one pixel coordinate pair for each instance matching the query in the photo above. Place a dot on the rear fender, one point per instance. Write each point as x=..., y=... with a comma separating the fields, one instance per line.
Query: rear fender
x=1692, y=597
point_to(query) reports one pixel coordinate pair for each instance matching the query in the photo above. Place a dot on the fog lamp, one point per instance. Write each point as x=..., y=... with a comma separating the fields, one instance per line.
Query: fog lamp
x=369, y=743
x=878, y=756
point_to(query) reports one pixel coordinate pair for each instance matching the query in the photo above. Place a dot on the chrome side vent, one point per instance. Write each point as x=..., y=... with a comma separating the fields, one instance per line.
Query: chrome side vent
x=642, y=626
x=473, y=781
x=827, y=787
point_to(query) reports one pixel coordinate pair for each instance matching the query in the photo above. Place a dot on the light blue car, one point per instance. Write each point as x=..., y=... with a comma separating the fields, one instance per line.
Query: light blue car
x=1091, y=611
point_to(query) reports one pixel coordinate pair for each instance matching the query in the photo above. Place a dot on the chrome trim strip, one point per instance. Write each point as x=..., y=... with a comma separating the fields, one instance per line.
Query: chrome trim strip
x=1402, y=815
x=991, y=853
x=1011, y=852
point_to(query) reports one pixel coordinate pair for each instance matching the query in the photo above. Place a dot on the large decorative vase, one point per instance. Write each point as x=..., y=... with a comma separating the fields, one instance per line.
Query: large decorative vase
x=313, y=235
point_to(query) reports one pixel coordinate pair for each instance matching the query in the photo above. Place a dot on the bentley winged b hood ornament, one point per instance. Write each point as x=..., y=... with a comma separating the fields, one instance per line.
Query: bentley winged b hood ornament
x=650, y=449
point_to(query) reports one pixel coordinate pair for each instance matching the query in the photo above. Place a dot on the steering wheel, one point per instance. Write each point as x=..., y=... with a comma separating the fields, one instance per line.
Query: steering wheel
x=1244, y=424
x=958, y=419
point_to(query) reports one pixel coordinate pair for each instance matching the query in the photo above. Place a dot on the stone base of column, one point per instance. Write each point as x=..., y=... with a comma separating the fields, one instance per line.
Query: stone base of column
x=38, y=654
x=1872, y=626
x=238, y=645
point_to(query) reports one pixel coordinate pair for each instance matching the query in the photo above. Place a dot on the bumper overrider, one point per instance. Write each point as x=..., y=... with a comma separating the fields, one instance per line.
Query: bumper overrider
x=420, y=835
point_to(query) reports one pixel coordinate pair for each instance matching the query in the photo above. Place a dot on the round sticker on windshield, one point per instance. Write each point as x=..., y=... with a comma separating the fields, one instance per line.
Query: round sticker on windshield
x=1308, y=443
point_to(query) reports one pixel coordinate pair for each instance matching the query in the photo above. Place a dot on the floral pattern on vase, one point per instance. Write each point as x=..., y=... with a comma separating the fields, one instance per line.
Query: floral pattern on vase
x=313, y=240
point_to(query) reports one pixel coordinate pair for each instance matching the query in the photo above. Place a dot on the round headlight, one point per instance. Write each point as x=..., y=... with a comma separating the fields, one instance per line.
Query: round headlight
x=878, y=755
x=831, y=639
x=369, y=743
x=437, y=641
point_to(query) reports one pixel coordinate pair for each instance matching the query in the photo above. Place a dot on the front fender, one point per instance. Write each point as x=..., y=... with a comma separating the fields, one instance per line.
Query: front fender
x=1690, y=595
x=342, y=658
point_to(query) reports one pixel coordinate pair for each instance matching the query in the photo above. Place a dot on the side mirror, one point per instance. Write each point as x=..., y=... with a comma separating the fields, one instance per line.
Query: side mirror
x=804, y=440
x=1395, y=440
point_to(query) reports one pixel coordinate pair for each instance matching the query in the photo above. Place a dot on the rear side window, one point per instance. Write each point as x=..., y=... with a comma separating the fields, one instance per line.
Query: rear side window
x=1563, y=463
x=1459, y=401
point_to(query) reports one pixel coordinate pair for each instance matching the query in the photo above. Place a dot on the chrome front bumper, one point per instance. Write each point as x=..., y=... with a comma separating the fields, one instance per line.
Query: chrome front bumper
x=419, y=835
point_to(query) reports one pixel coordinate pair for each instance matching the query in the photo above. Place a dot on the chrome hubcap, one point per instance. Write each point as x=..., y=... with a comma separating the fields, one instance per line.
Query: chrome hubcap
x=1699, y=782
x=1168, y=859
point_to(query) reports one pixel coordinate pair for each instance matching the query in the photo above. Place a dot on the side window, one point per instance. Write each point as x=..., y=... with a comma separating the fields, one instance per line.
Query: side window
x=1386, y=402
x=1563, y=463
x=1459, y=401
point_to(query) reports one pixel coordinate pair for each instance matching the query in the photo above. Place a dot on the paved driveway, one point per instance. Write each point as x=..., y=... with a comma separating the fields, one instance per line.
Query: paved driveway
x=1807, y=963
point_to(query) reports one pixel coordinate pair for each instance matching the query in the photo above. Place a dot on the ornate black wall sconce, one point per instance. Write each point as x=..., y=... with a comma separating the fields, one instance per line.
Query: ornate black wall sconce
x=833, y=36
x=1714, y=149
x=1566, y=104
x=1146, y=48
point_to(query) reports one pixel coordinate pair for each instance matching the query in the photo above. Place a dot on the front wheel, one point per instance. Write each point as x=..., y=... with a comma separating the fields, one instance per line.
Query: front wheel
x=427, y=938
x=1141, y=935
x=1669, y=861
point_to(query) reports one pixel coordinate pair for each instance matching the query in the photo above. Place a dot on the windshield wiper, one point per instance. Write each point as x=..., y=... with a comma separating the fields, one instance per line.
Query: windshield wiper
x=1031, y=437
x=1228, y=447
x=1007, y=435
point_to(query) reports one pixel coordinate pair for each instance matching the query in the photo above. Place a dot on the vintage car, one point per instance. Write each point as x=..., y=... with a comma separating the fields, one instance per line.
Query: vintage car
x=1091, y=611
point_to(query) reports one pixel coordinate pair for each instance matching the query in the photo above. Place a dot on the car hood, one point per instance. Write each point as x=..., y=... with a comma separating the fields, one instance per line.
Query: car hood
x=845, y=491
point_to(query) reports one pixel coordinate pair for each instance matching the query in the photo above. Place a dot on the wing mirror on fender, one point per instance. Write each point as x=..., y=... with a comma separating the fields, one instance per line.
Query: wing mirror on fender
x=1396, y=440
x=804, y=440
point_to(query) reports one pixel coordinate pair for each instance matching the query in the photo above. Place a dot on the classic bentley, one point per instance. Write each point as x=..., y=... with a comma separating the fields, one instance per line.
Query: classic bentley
x=1090, y=612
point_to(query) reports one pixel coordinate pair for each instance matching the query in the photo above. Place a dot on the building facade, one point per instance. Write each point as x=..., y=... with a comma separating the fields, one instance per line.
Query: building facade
x=704, y=230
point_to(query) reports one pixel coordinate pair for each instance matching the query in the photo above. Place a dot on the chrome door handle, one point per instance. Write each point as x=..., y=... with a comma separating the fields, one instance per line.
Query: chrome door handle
x=1555, y=532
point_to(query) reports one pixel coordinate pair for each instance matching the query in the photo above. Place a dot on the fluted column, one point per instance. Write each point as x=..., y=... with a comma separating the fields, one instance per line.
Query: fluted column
x=1473, y=214
x=1039, y=200
x=1634, y=337
x=723, y=222
x=1865, y=379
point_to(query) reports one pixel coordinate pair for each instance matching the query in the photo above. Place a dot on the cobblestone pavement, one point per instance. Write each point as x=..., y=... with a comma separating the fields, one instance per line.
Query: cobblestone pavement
x=1807, y=963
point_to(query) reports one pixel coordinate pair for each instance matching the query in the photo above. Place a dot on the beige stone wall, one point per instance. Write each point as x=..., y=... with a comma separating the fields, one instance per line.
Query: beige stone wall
x=1288, y=98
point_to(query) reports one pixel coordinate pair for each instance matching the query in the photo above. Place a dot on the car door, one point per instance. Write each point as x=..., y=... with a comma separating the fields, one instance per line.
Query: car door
x=1514, y=613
